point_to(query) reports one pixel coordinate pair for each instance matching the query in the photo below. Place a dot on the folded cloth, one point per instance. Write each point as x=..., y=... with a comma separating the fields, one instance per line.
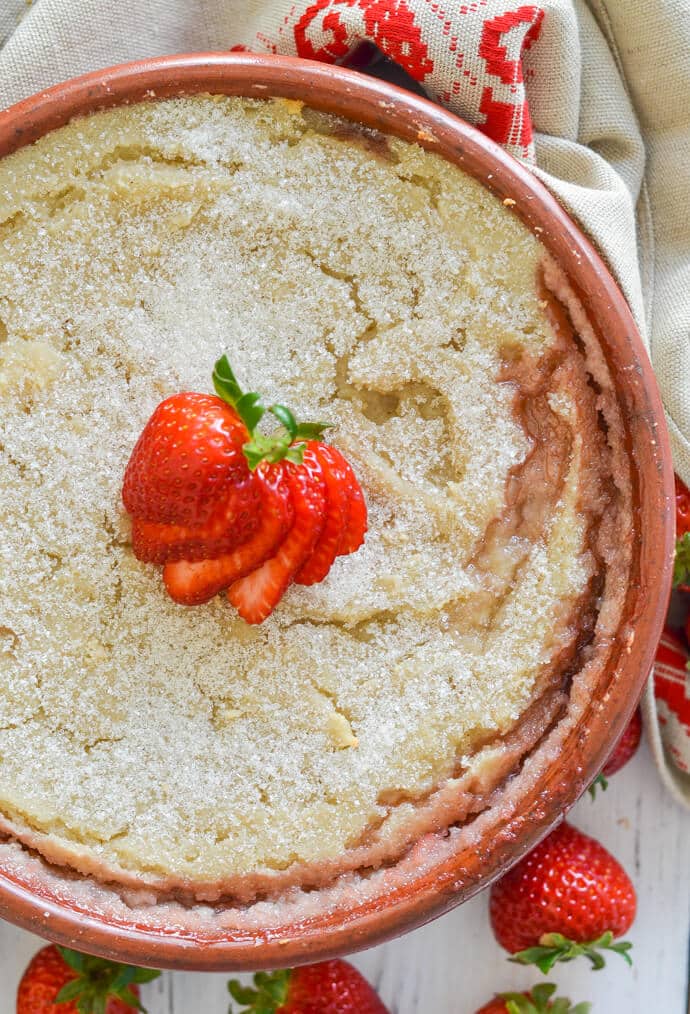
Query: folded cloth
x=596, y=95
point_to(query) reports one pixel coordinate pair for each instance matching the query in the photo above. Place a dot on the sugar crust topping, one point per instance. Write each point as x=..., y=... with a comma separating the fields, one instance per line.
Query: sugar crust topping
x=362, y=280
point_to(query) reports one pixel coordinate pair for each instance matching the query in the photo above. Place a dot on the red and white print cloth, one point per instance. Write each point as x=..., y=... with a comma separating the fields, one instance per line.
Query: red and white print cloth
x=595, y=94
x=467, y=56
x=671, y=682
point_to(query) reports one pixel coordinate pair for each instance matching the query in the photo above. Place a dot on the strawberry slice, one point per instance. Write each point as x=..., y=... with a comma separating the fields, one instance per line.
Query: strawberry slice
x=337, y=513
x=356, y=527
x=256, y=595
x=229, y=527
x=191, y=583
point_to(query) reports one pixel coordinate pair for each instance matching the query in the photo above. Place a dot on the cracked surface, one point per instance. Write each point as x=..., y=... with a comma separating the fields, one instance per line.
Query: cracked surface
x=359, y=280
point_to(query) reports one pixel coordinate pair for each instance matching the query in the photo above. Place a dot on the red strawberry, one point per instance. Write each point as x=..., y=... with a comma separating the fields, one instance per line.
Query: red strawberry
x=569, y=896
x=187, y=462
x=256, y=595
x=626, y=747
x=624, y=750
x=232, y=525
x=681, y=565
x=537, y=1001
x=191, y=584
x=356, y=529
x=79, y=984
x=337, y=514
x=682, y=507
x=329, y=987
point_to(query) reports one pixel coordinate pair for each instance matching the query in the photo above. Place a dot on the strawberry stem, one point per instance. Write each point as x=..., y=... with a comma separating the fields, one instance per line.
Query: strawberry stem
x=681, y=563
x=599, y=782
x=270, y=992
x=555, y=947
x=278, y=446
x=98, y=980
x=538, y=1001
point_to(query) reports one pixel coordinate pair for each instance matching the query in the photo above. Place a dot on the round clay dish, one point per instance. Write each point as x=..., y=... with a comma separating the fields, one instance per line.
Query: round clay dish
x=59, y=914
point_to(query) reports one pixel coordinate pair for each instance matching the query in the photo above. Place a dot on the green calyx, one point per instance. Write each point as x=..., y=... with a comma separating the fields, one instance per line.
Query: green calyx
x=282, y=445
x=681, y=562
x=555, y=947
x=599, y=782
x=539, y=1001
x=269, y=993
x=99, y=981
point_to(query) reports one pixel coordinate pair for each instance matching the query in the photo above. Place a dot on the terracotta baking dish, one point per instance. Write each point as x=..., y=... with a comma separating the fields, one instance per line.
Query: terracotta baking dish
x=59, y=907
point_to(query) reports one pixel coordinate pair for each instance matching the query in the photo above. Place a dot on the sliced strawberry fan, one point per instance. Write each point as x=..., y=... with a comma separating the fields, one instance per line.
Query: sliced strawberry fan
x=192, y=583
x=256, y=595
x=224, y=506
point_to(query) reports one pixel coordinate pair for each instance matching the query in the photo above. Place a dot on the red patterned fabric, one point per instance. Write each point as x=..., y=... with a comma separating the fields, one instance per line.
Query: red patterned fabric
x=672, y=693
x=467, y=56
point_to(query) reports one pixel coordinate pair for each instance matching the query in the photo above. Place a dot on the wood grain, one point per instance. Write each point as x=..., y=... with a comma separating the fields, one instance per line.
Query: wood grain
x=453, y=965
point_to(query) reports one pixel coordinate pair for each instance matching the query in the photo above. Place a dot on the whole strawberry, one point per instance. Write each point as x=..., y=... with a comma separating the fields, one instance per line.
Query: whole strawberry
x=329, y=987
x=624, y=750
x=80, y=984
x=567, y=897
x=537, y=1001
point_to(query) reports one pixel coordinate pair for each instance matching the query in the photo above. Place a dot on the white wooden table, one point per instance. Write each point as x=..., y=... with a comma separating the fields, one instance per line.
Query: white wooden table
x=453, y=965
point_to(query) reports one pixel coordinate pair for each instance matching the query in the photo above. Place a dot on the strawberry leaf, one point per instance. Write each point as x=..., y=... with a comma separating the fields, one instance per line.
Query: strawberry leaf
x=269, y=994
x=250, y=410
x=286, y=418
x=538, y=1001
x=123, y=977
x=555, y=947
x=518, y=1004
x=276, y=447
x=128, y=996
x=74, y=959
x=295, y=454
x=542, y=992
x=599, y=782
x=227, y=387
x=243, y=994
x=69, y=991
x=98, y=980
x=311, y=431
x=225, y=382
x=144, y=974
x=681, y=563
x=262, y=448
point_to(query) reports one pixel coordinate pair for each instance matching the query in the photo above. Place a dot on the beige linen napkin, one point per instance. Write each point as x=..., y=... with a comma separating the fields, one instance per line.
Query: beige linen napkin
x=596, y=95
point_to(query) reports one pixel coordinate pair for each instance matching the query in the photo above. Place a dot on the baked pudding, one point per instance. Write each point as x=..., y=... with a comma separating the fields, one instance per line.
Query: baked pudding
x=366, y=282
